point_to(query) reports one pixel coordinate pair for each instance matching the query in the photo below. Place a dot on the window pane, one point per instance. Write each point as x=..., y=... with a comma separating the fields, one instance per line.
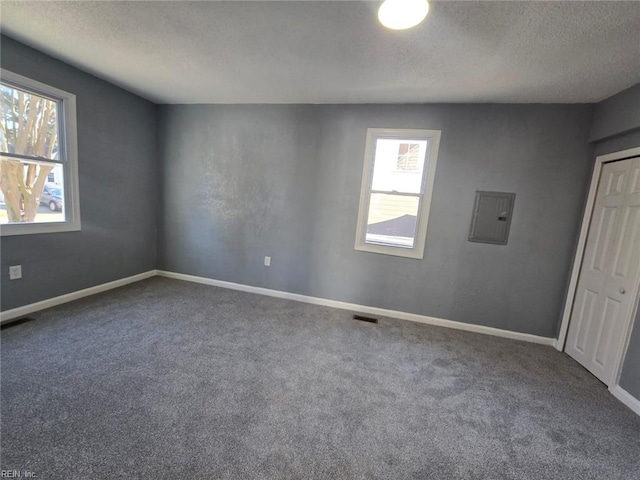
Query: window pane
x=29, y=124
x=408, y=157
x=27, y=195
x=398, y=165
x=392, y=219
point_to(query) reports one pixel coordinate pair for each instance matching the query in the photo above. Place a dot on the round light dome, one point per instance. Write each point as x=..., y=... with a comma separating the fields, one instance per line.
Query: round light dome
x=402, y=14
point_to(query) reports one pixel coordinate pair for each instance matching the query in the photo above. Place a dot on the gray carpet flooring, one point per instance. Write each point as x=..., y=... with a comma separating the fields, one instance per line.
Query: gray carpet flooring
x=168, y=380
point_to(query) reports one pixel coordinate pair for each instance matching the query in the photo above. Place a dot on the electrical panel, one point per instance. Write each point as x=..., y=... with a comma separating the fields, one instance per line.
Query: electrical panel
x=491, y=217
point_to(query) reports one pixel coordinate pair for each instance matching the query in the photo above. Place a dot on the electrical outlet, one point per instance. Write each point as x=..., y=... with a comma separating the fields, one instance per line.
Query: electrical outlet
x=15, y=272
x=267, y=261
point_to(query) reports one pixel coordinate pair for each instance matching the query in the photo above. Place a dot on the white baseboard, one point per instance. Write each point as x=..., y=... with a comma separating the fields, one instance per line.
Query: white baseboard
x=625, y=397
x=69, y=297
x=440, y=322
x=362, y=308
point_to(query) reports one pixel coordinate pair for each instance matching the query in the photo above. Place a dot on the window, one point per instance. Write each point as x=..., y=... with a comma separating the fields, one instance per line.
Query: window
x=38, y=147
x=397, y=181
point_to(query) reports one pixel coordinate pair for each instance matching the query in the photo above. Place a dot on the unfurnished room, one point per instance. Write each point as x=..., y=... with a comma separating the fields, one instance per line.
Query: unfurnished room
x=298, y=240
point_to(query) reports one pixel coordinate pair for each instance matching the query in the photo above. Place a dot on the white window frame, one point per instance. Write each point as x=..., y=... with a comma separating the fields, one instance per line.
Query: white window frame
x=424, y=204
x=68, y=141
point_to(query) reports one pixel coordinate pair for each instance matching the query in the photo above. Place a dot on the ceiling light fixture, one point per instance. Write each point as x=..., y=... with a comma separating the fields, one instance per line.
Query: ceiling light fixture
x=402, y=14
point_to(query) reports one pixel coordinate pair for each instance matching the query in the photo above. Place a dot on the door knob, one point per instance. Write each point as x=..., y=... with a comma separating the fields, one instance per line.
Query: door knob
x=622, y=290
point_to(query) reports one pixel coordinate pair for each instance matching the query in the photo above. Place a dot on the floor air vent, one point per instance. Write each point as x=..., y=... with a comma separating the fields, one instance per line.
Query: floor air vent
x=17, y=322
x=362, y=318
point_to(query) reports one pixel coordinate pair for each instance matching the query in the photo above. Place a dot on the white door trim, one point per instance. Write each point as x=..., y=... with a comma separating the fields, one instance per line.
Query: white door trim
x=577, y=264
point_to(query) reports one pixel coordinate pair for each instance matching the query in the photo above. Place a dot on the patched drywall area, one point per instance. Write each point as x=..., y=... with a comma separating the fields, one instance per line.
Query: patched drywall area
x=117, y=165
x=244, y=182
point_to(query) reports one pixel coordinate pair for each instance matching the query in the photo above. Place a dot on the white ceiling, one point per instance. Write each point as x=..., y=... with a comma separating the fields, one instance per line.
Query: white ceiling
x=336, y=52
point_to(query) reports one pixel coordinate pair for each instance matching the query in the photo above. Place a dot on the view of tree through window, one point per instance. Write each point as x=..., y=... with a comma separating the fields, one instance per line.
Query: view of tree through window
x=31, y=173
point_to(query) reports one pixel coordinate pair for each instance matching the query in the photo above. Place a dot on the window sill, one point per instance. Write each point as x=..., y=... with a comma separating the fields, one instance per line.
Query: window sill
x=414, y=252
x=8, y=230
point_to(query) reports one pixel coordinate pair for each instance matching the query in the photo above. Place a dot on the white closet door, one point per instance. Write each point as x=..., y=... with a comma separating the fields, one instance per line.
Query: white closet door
x=610, y=272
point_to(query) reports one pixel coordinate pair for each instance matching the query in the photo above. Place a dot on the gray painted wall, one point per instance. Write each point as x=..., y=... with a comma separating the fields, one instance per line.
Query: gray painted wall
x=117, y=165
x=242, y=182
x=630, y=377
x=616, y=115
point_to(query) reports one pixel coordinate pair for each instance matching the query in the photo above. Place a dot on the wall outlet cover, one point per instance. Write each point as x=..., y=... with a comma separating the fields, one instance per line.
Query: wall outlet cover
x=15, y=272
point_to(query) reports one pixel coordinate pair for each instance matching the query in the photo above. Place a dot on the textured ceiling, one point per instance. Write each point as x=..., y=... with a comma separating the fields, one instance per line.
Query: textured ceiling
x=336, y=52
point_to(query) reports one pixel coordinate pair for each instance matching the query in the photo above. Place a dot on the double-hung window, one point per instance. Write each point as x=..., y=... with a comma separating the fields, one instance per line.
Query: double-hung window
x=397, y=182
x=38, y=158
